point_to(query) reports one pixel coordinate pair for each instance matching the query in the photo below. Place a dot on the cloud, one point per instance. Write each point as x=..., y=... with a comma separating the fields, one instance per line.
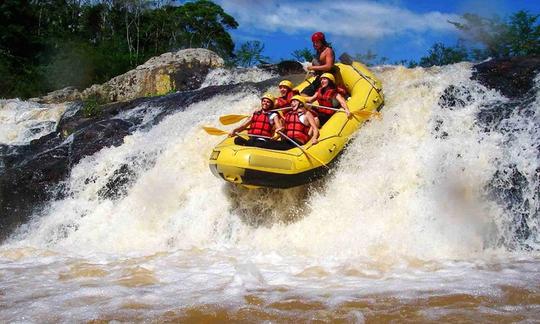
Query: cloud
x=365, y=19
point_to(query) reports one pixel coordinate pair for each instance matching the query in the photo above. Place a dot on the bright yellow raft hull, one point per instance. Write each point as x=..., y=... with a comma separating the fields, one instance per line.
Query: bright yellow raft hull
x=258, y=167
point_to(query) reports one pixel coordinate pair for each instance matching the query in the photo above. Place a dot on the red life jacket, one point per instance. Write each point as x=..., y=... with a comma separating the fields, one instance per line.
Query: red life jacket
x=286, y=100
x=260, y=124
x=294, y=128
x=325, y=99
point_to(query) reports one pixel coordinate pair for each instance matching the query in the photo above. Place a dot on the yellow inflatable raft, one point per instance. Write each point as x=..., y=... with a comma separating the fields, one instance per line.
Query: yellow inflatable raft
x=258, y=167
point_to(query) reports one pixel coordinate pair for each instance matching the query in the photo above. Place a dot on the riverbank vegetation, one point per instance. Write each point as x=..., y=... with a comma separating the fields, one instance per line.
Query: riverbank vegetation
x=50, y=44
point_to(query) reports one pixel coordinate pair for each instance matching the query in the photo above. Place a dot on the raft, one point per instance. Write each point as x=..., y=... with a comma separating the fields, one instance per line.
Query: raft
x=254, y=167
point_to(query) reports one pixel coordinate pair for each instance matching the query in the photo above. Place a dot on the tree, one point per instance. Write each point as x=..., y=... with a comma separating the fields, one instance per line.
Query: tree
x=497, y=38
x=303, y=55
x=370, y=58
x=250, y=53
x=439, y=54
x=205, y=25
x=523, y=35
x=48, y=44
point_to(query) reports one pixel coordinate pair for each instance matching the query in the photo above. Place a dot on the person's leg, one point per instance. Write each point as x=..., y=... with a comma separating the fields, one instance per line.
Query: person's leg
x=278, y=145
x=323, y=118
x=240, y=141
x=312, y=88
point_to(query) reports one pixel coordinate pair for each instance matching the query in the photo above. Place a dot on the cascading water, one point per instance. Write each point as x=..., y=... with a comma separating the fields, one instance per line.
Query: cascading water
x=431, y=214
x=24, y=121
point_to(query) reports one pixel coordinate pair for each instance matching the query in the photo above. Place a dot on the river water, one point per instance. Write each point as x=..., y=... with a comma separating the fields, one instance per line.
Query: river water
x=410, y=226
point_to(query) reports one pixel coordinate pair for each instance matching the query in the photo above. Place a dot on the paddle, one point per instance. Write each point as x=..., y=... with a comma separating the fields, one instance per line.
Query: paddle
x=303, y=150
x=359, y=113
x=216, y=131
x=231, y=119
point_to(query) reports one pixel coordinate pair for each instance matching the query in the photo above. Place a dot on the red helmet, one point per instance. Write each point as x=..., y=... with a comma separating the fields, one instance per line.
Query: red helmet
x=317, y=37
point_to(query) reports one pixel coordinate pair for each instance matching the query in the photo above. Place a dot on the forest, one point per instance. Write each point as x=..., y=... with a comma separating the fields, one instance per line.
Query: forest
x=47, y=45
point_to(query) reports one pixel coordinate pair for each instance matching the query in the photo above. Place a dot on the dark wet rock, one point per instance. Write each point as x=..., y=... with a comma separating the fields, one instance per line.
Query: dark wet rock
x=455, y=97
x=284, y=68
x=118, y=184
x=514, y=115
x=507, y=189
x=513, y=77
x=31, y=175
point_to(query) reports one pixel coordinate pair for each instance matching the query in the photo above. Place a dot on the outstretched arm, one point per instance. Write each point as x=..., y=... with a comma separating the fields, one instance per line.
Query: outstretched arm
x=278, y=124
x=241, y=127
x=343, y=104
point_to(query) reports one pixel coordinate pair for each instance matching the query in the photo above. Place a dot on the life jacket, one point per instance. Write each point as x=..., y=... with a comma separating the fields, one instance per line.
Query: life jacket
x=260, y=124
x=294, y=128
x=286, y=100
x=325, y=99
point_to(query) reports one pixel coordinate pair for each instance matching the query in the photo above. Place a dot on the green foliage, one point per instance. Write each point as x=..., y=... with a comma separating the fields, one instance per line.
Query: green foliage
x=518, y=36
x=495, y=38
x=523, y=35
x=92, y=106
x=46, y=45
x=303, y=55
x=370, y=58
x=250, y=53
x=439, y=54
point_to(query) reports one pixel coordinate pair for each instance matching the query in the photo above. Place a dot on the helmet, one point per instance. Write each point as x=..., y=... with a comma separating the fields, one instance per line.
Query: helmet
x=286, y=83
x=329, y=76
x=317, y=37
x=270, y=97
x=299, y=98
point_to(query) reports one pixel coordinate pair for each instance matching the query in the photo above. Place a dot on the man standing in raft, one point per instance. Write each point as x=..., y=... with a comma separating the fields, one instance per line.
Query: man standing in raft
x=324, y=62
x=262, y=124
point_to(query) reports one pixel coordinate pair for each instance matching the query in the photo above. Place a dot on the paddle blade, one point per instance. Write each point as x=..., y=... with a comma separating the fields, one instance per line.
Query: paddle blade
x=368, y=114
x=214, y=131
x=231, y=119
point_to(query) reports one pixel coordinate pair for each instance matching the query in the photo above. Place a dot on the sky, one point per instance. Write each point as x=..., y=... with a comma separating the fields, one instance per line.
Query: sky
x=396, y=29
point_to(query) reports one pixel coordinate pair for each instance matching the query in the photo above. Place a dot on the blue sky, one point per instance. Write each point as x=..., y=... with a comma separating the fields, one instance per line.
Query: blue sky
x=396, y=29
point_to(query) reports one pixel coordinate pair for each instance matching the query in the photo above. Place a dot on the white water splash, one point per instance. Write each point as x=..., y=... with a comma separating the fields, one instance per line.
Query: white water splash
x=407, y=191
x=222, y=76
x=405, y=214
x=23, y=121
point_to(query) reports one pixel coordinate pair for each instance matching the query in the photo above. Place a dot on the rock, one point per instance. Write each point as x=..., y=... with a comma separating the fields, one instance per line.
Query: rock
x=33, y=174
x=178, y=71
x=513, y=77
x=284, y=68
x=59, y=96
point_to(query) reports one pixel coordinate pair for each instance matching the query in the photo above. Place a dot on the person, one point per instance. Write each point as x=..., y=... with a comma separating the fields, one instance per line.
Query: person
x=286, y=93
x=323, y=62
x=328, y=95
x=262, y=124
x=298, y=123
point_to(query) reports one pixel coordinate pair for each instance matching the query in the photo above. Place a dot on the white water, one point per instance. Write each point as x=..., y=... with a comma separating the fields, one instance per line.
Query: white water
x=221, y=76
x=23, y=121
x=404, y=214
